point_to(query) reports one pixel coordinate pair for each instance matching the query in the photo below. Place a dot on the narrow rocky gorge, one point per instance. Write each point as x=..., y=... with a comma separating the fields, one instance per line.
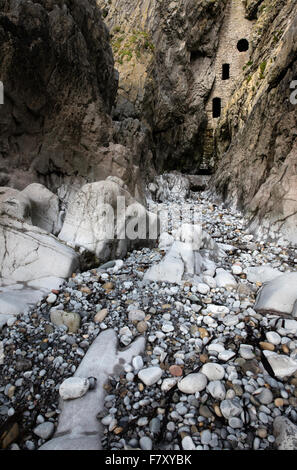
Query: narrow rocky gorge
x=148, y=206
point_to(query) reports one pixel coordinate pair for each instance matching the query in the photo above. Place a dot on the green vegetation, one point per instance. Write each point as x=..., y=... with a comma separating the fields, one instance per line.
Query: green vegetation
x=262, y=69
x=126, y=45
x=248, y=64
x=277, y=35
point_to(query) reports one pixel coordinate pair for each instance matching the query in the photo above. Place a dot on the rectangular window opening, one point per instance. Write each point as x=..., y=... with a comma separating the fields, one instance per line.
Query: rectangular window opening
x=216, y=107
x=226, y=72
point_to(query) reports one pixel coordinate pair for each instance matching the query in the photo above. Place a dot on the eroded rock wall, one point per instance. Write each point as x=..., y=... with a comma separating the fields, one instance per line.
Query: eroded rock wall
x=164, y=52
x=256, y=136
x=60, y=84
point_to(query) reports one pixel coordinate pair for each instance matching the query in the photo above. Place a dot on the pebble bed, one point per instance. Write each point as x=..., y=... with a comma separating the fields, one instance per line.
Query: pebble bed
x=198, y=337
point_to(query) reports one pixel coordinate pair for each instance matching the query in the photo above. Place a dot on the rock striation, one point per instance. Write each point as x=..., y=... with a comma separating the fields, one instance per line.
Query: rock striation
x=60, y=84
x=164, y=52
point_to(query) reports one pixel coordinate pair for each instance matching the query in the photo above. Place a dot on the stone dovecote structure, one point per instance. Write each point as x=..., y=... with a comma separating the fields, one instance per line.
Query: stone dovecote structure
x=233, y=53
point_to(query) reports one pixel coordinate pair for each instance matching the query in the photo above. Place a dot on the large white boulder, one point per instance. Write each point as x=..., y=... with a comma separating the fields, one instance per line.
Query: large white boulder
x=45, y=211
x=190, y=234
x=170, y=269
x=188, y=254
x=15, y=204
x=79, y=427
x=262, y=274
x=225, y=279
x=279, y=296
x=285, y=433
x=282, y=366
x=17, y=298
x=28, y=253
x=106, y=220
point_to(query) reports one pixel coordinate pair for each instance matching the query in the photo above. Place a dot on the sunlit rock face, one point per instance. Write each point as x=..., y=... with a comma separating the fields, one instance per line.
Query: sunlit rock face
x=165, y=54
x=256, y=135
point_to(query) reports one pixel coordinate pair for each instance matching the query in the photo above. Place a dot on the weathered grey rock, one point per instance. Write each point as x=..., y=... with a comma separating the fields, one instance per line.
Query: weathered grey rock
x=225, y=279
x=106, y=220
x=175, y=112
x=230, y=408
x=217, y=390
x=63, y=119
x=285, y=433
x=146, y=443
x=137, y=362
x=150, y=376
x=170, y=268
x=265, y=396
x=15, y=204
x=78, y=427
x=273, y=337
x=44, y=430
x=191, y=234
x=3, y=318
x=136, y=315
x=171, y=186
x=213, y=371
x=184, y=256
x=193, y=383
x=73, y=387
x=28, y=253
x=45, y=211
x=165, y=241
x=69, y=319
x=167, y=384
x=283, y=366
x=246, y=351
x=188, y=444
x=261, y=273
x=18, y=298
x=279, y=296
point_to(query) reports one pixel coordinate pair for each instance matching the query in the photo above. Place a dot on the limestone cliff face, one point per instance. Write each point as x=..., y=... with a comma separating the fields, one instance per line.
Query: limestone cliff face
x=256, y=135
x=164, y=52
x=60, y=84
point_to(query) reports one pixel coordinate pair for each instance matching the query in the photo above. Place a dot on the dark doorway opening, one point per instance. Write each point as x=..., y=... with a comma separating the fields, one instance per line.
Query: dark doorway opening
x=226, y=72
x=216, y=107
x=243, y=45
x=195, y=55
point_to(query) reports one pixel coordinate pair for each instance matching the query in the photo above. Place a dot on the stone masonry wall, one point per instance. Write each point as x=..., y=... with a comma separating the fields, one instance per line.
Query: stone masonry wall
x=234, y=28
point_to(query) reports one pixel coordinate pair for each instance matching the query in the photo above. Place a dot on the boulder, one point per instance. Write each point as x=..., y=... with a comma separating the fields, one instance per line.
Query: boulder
x=170, y=269
x=285, y=433
x=165, y=241
x=106, y=220
x=262, y=274
x=279, y=296
x=189, y=250
x=78, y=427
x=29, y=253
x=282, y=366
x=15, y=204
x=171, y=186
x=225, y=279
x=191, y=234
x=45, y=211
x=17, y=298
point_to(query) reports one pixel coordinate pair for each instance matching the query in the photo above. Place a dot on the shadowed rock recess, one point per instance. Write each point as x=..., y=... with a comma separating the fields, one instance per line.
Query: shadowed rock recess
x=148, y=216
x=60, y=84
